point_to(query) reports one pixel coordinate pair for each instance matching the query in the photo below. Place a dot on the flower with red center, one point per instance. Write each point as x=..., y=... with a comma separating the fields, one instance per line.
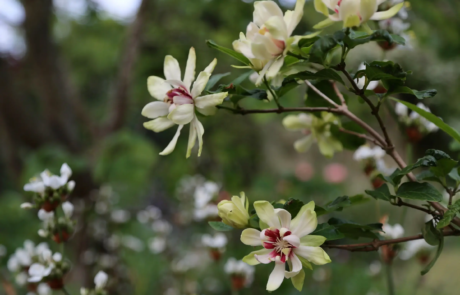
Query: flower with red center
x=285, y=241
x=268, y=37
x=353, y=13
x=178, y=100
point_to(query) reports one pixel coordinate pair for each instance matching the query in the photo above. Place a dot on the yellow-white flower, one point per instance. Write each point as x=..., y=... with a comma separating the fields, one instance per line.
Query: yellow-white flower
x=353, y=13
x=268, y=37
x=178, y=100
x=285, y=241
x=235, y=212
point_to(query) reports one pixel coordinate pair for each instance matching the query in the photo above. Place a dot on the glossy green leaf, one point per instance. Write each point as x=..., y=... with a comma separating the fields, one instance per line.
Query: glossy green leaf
x=214, y=79
x=220, y=226
x=381, y=70
x=293, y=206
x=323, y=46
x=236, y=55
x=431, y=235
x=432, y=118
x=419, y=191
x=443, y=167
x=433, y=262
x=328, y=231
x=324, y=74
x=419, y=94
x=450, y=214
x=382, y=193
x=354, y=230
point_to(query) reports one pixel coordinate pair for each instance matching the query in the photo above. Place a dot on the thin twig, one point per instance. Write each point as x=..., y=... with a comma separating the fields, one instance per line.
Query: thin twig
x=402, y=203
x=339, y=94
x=324, y=96
x=361, y=135
x=275, y=97
x=376, y=244
x=241, y=111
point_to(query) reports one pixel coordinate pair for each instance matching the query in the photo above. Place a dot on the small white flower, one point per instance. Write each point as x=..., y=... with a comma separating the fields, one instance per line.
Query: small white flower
x=44, y=289
x=70, y=185
x=157, y=245
x=45, y=216
x=365, y=152
x=23, y=257
x=414, y=247
x=401, y=110
x=2, y=250
x=21, y=278
x=68, y=208
x=84, y=291
x=120, y=216
x=218, y=241
x=43, y=233
x=57, y=257
x=361, y=81
x=133, y=243
x=393, y=231
x=35, y=186
x=65, y=170
x=208, y=211
x=26, y=206
x=38, y=271
x=375, y=268
x=13, y=264
x=100, y=280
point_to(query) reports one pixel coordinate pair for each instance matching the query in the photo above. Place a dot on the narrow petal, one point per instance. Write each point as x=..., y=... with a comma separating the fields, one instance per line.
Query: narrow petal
x=367, y=9
x=296, y=267
x=293, y=240
x=172, y=69
x=189, y=75
x=191, y=139
x=210, y=68
x=170, y=148
x=303, y=145
x=251, y=259
x=265, y=258
x=251, y=237
x=277, y=28
x=285, y=217
x=266, y=213
x=312, y=241
x=155, y=109
x=321, y=7
x=157, y=87
x=211, y=100
x=200, y=83
x=326, y=23
x=389, y=13
x=293, y=18
x=315, y=255
x=276, y=277
x=305, y=222
x=275, y=68
x=263, y=10
x=182, y=114
x=159, y=124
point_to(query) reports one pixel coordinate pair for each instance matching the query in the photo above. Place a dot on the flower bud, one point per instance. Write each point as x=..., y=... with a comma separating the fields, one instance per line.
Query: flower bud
x=235, y=212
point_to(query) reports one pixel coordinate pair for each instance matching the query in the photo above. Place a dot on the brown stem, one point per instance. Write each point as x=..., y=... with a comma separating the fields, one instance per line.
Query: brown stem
x=241, y=111
x=324, y=96
x=376, y=244
x=339, y=94
x=402, y=203
x=360, y=135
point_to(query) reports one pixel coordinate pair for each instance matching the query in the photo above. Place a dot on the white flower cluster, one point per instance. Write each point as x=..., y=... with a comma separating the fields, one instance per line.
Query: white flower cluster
x=23, y=258
x=162, y=228
x=59, y=229
x=205, y=209
x=242, y=274
x=414, y=119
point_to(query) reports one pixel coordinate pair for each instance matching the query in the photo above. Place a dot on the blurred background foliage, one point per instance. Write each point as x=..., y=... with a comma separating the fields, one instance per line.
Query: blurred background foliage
x=58, y=100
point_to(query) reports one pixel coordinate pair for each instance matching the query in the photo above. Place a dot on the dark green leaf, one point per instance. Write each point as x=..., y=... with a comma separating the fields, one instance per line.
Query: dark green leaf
x=381, y=70
x=288, y=85
x=293, y=206
x=307, y=42
x=427, y=175
x=443, y=167
x=236, y=55
x=214, y=79
x=438, y=253
x=324, y=45
x=431, y=235
x=355, y=38
x=349, y=141
x=382, y=193
x=437, y=154
x=241, y=78
x=314, y=100
x=450, y=214
x=354, y=230
x=419, y=94
x=220, y=226
x=432, y=118
x=454, y=175
x=324, y=74
x=419, y=191
x=328, y=231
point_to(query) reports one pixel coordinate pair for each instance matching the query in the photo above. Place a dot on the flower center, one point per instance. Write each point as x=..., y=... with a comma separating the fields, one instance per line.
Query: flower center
x=275, y=241
x=178, y=96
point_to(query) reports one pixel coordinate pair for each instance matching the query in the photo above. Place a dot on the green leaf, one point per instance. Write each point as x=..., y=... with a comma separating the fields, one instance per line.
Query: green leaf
x=220, y=226
x=349, y=141
x=214, y=79
x=305, y=263
x=381, y=70
x=323, y=46
x=419, y=94
x=433, y=262
x=419, y=191
x=432, y=118
x=431, y=235
x=443, y=167
x=328, y=231
x=382, y=193
x=298, y=280
x=337, y=205
x=427, y=175
x=437, y=154
x=355, y=38
x=236, y=55
x=324, y=74
x=354, y=230
x=293, y=206
x=450, y=214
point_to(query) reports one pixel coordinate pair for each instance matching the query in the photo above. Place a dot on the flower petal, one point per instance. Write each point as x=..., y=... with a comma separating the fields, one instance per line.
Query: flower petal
x=302, y=145
x=210, y=68
x=293, y=18
x=251, y=237
x=200, y=83
x=285, y=217
x=297, y=122
x=296, y=267
x=277, y=28
x=315, y=255
x=305, y=222
x=389, y=13
x=367, y=9
x=189, y=75
x=210, y=100
x=251, y=259
x=157, y=87
x=321, y=7
x=293, y=240
x=266, y=213
x=263, y=10
x=326, y=23
x=172, y=69
x=191, y=139
x=276, y=277
x=155, y=109
x=182, y=114
x=199, y=132
x=312, y=241
x=159, y=124
x=170, y=148
x=275, y=68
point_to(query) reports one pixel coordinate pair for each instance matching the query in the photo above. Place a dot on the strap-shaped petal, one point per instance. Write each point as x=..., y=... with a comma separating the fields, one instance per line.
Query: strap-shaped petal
x=266, y=213
x=315, y=255
x=293, y=240
x=172, y=145
x=210, y=68
x=367, y=9
x=157, y=87
x=251, y=259
x=199, y=133
x=263, y=10
x=200, y=83
x=189, y=75
x=171, y=68
x=155, y=109
x=293, y=18
x=389, y=13
x=277, y=28
x=305, y=222
x=251, y=237
x=321, y=7
x=303, y=145
x=312, y=241
x=285, y=217
x=210, y=100
x=296, y=267
x=182, y=114
x=276, y=277
x=191, y=138
x=159, y=124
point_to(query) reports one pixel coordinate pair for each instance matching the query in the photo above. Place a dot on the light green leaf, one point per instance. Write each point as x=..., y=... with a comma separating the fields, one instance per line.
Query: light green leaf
x=298, y=280
x=214, y=79
x=220, y=226
x=419, y=191
x=230, y=52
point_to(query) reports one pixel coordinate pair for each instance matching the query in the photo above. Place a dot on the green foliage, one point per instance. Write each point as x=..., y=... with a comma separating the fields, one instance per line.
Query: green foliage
x=220, y=226
x=450, y=214
x=339, y=204
x=214, y=79
x=230, y=52
x=293, y=206
x=328, y=231
x=355, y=38
x=314, y=100
x=383, y=70
x=419, y=191
x=433, y=237
x=381, y=193
x=432, y=118
x=324, y=74
x=354, y=230
x=349, y=141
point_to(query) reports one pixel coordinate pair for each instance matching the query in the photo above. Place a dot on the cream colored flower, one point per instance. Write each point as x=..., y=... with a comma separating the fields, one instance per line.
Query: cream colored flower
x=235, y=212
